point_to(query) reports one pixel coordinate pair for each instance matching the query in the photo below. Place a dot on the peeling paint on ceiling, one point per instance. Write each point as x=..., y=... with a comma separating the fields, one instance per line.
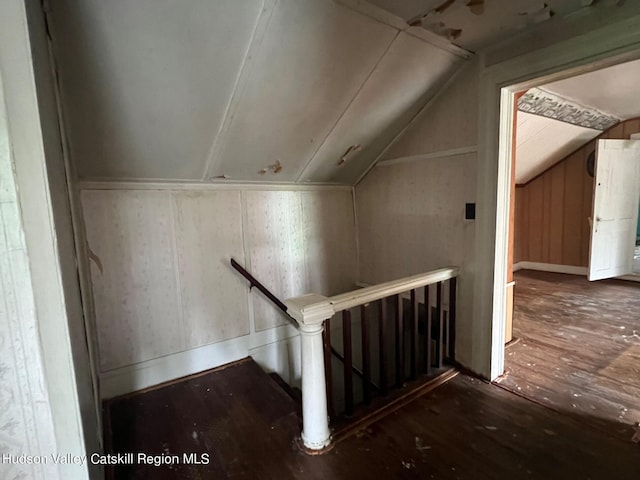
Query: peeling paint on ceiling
x=473, y=24
x=237, y=90
x=260, y=90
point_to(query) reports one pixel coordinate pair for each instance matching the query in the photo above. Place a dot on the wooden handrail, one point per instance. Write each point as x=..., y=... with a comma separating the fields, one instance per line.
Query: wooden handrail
x=311, y=309
x=362, y=296
x=313, y=313
x=253, y=282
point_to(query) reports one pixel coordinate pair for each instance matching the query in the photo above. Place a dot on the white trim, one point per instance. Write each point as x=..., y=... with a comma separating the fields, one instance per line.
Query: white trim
x=153, y=372
x=310, y=309
x=428, y=156
x=80, y=243
x=380, y=15
x=313, y=309
x=550, y=267
x=629, y=278
x=227, y=185
x=366, y=295
x=356, y=230
x=376, y=13
x=596, y=49
x=314, y=306
x=39, y=175
x=170, y=367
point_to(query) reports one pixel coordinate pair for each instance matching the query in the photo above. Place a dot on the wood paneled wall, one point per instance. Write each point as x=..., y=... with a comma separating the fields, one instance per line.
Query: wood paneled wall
x=553, y=209
x=160, y=271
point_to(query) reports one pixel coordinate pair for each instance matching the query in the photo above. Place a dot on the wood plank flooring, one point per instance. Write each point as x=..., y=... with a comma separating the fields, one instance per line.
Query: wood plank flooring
x=465, y=429
x=578, y=349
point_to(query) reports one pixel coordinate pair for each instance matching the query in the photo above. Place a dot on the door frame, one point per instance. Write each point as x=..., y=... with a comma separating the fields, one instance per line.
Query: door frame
x=599, y=48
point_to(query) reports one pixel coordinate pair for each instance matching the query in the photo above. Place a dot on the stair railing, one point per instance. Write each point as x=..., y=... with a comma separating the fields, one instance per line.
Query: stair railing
x=313, y=314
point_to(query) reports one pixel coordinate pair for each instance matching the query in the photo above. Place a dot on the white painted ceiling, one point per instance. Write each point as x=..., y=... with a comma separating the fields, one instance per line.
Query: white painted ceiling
x=247, y=90
x=542, y=142
x=256, y=90
x=474, y=24
x=613, y=90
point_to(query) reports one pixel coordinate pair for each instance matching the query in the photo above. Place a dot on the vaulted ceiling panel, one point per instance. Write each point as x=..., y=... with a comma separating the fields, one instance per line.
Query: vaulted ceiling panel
x=473, y=24
x=542, y=141
x=410, y=72
x=146, y=83
x=313, y=59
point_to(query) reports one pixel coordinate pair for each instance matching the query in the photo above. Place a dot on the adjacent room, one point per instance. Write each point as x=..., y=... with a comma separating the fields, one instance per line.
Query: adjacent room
x=575, y=340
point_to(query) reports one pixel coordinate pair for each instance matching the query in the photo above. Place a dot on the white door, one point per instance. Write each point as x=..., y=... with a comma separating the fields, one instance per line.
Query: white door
x=615, y=208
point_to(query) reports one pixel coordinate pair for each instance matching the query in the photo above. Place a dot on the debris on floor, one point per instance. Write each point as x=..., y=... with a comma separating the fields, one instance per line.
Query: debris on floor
x=636, y=434
x=420, y=446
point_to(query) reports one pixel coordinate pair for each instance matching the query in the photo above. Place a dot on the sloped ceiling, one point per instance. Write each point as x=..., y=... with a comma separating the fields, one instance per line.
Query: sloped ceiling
x=246, y=90
x=542, y=140
x=614, y=90
x=474, y=24
x=258, y=90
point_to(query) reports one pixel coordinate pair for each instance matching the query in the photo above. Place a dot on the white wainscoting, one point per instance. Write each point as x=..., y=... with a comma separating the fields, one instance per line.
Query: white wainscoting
x=167, y=302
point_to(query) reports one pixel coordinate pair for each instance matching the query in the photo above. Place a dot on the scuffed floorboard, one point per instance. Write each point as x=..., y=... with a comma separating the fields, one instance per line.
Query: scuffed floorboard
x=579, y=348
x=465, y=429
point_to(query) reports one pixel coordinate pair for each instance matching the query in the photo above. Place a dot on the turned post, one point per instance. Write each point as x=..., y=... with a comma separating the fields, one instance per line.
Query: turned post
x=311, y=311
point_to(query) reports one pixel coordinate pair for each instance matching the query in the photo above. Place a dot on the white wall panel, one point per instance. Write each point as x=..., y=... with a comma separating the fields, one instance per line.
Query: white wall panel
x=136, y=296
x=276, y=251
x=451, y=121
x=146, y=83
x=411, y=220
x=411, y=217
x=329, y=235
x=213, y=295
x=167, y=301
x=314, y=57
x=409, y=73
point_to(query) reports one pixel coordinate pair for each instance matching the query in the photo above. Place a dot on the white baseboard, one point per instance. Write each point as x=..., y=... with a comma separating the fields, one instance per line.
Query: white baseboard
x=570, y=269
x=630, y=278
x=550, y=267
x=159, y=370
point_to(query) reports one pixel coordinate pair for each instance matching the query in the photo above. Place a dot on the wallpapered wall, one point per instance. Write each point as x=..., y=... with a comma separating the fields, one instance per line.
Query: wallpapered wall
x=26, y=425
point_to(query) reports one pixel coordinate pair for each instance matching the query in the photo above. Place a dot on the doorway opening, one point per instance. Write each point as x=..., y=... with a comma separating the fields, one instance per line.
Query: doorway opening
x=575, y=219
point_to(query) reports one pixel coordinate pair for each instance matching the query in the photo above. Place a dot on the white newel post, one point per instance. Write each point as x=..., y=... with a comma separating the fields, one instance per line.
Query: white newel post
x=311, y=311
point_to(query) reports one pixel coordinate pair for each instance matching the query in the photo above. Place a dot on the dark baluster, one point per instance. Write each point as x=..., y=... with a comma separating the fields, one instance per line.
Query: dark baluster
x=328, y=377
x=348, y=362
x=451, y=332
x=399, y=343
x=427, y=332
x=414, y=334
x=366, y=356
x=382, y=320
x=439, y=326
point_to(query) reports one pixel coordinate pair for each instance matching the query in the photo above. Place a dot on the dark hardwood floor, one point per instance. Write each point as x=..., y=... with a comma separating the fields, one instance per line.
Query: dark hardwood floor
x=465, y=429
x=579, y=348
